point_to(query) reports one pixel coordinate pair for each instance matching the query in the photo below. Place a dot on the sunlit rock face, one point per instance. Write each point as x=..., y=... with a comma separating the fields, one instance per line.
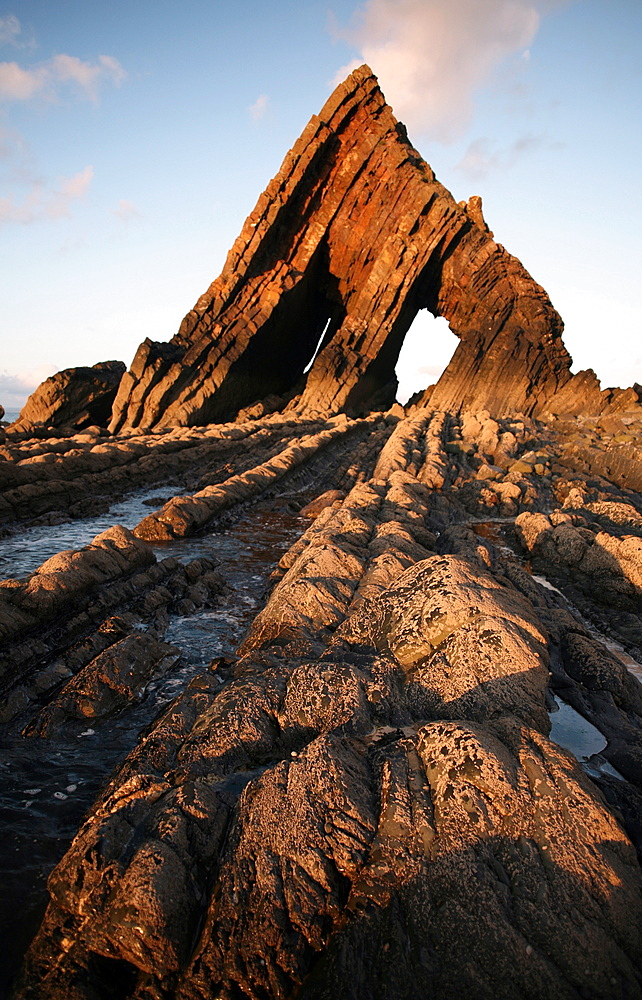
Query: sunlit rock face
x=351, y=238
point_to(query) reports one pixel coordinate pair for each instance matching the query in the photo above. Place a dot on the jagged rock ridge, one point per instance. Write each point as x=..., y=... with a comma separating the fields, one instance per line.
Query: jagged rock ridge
x=351, y=238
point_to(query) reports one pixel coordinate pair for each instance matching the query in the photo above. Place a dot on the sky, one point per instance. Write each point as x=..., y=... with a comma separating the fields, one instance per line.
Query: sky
x=137, y=135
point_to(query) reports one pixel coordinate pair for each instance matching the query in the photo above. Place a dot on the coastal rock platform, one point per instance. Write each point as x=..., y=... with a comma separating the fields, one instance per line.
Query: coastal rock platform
x=328, y=696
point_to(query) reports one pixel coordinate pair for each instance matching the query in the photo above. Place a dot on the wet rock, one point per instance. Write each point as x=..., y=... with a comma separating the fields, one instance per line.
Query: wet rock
x=111, y=681
x=80, y=474
x=184, y=516
x=60, y=581
x=77, y=628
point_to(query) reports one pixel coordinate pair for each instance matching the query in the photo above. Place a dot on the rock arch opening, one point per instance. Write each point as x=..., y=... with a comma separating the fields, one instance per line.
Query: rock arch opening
x=322, y=339
x=425, y=353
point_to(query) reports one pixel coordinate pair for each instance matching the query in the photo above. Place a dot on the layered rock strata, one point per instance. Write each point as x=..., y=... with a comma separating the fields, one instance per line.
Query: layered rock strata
x=182, y=516
x=304, y=318
x=57, y=625
x=351, y=238
x=365, y=801
x=48, y=479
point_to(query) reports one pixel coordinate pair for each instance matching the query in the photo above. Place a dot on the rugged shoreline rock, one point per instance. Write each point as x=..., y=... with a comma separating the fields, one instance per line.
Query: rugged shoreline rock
x=60, y=620
x=365, y=798
x=298, y=274
x=390, y=701
x=76, y=398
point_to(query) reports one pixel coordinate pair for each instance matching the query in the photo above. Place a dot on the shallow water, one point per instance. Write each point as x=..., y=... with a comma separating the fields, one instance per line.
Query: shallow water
x=572, y=731
x=22, y=553
x=47, y=785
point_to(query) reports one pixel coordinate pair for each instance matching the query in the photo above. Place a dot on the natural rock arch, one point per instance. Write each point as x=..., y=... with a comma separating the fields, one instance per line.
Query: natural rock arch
x=355, y=233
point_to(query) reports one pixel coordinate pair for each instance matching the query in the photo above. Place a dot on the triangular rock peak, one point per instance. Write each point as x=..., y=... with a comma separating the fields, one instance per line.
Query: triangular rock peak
x=351, y=238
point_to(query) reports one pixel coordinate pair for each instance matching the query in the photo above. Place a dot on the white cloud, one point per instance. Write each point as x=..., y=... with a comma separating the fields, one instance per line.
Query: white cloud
x=259, y=108
x=48, y=80
x=12, y=145
x=18, y=84
x=432, y=55
x=41, y=203
x=10, y=30
x=11, y=33
x=482, y=158
x=126, y=211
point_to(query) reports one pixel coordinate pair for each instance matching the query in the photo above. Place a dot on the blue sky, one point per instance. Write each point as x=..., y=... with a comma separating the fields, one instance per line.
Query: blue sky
x=135, y=136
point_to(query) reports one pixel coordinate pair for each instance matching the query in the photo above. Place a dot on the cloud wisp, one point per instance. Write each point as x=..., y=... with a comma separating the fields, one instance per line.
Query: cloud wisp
x=49, y=80
x=259, y=108
x=482, y=158
x=42, y=203
x=126, y=211
x=10, y=30
x=431, y=56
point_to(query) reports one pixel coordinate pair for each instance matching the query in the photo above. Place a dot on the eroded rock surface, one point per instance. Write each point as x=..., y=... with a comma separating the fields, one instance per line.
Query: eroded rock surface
x=76, y=398
x=73, y=616
x=365, y=801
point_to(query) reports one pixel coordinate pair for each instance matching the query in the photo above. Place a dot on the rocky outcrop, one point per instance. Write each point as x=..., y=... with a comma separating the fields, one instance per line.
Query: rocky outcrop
x=70, y=622
x=352, y=237
x=367, y=794
x=76, y=398
x=182, y=516
x=111, y=681
x=595, y=547
x=52, y=478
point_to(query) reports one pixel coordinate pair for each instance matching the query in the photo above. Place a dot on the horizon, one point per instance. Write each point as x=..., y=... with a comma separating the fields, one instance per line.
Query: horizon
x=102, y=184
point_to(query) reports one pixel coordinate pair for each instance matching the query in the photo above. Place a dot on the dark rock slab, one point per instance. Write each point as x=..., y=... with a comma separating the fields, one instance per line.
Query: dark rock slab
x=75, y=397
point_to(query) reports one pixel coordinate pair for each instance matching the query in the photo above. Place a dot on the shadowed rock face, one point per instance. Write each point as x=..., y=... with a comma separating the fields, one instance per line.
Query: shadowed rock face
x=351, y=238
x=76, y=397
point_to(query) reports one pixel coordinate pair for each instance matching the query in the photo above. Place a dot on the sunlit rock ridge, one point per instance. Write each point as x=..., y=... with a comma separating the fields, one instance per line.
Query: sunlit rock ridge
x=351, y=238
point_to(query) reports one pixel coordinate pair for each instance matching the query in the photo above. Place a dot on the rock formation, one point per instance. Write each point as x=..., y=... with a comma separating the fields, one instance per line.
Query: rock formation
x=351, y=238
x=363, y=789
x=364, y=799
x=76, y=398
x=348, y=242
